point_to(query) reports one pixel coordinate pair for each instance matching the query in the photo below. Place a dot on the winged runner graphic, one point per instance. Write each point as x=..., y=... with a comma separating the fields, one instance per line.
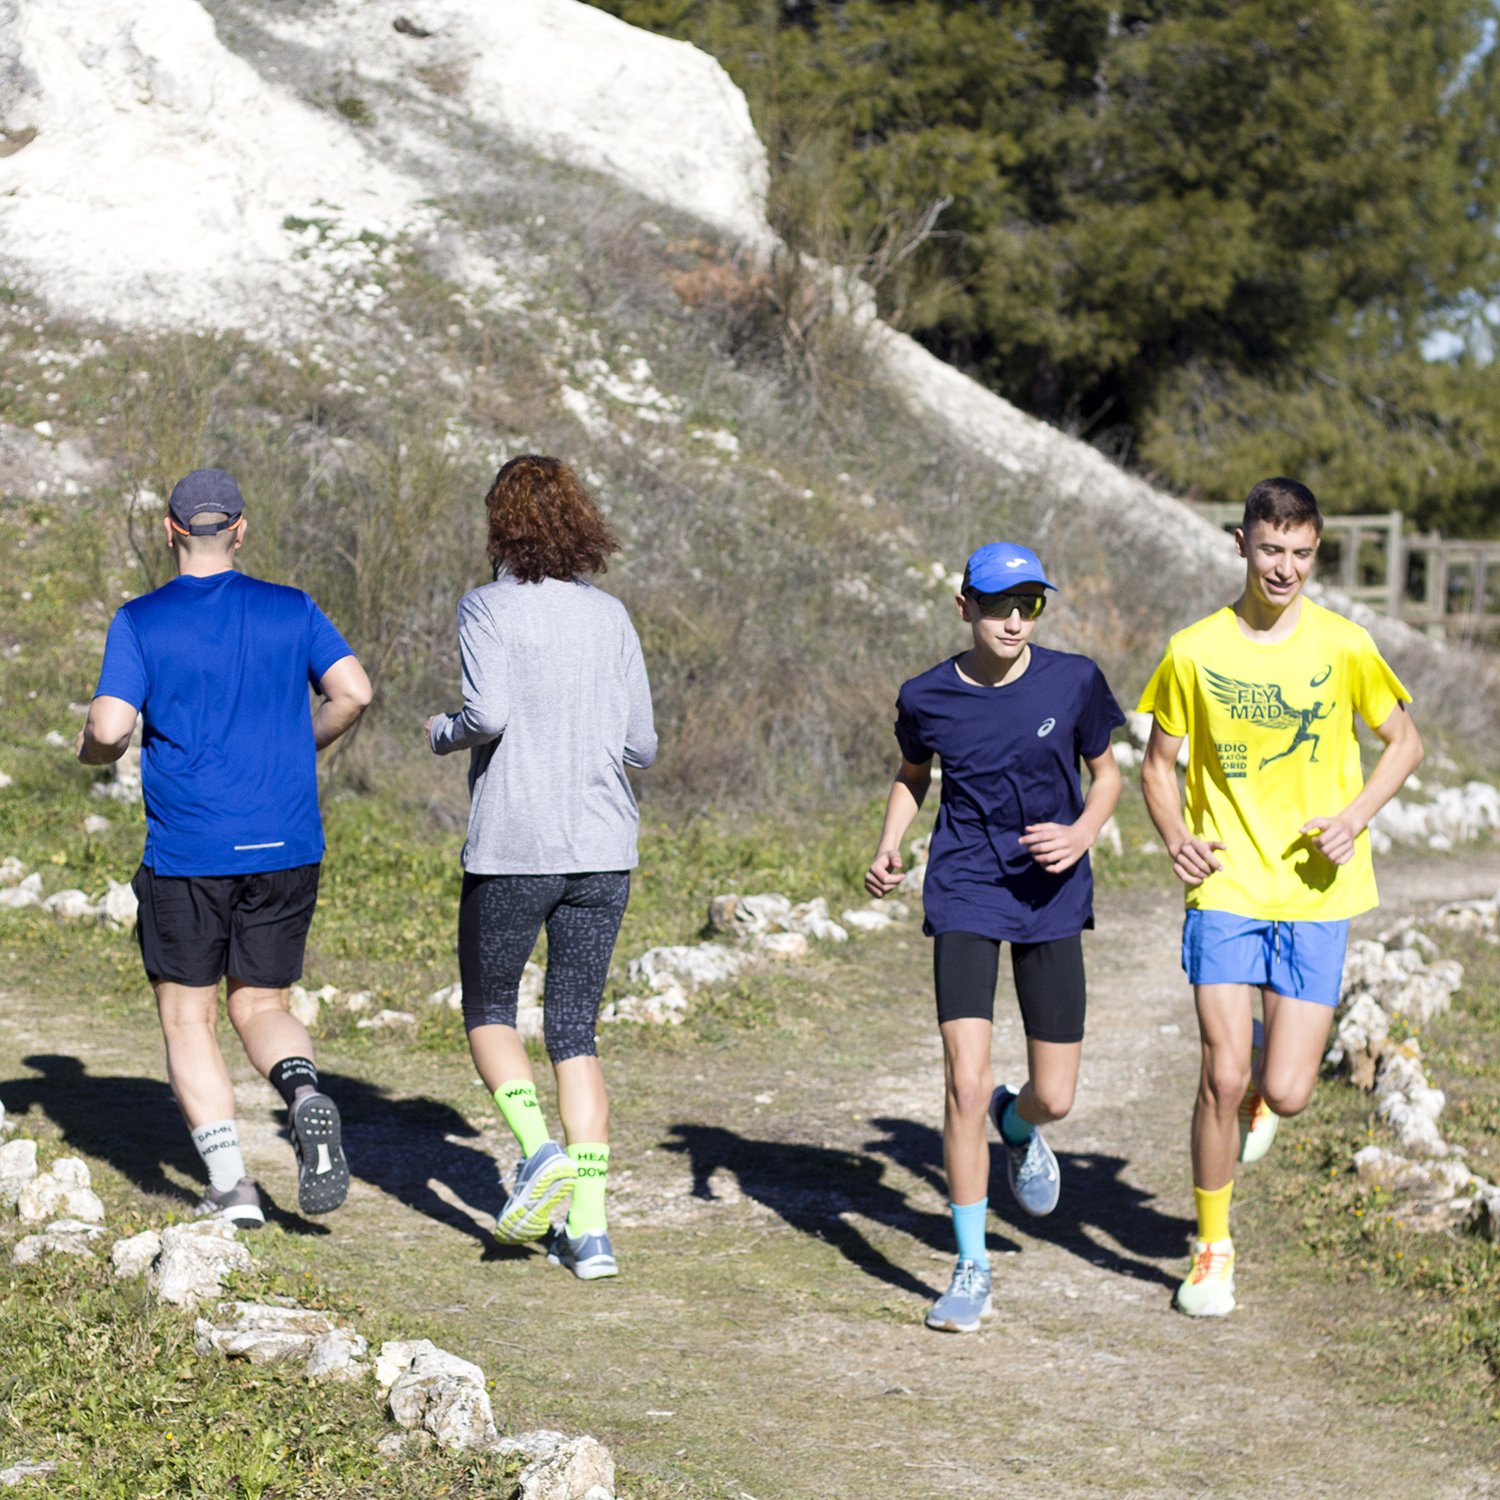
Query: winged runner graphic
x=1261, y=703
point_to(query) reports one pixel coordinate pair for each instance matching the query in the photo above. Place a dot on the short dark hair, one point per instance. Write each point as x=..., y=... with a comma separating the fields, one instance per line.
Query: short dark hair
x=1284, y=503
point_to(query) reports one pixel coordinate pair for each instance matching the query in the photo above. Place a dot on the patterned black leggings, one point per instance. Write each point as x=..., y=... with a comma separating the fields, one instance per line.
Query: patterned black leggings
x=499, y=919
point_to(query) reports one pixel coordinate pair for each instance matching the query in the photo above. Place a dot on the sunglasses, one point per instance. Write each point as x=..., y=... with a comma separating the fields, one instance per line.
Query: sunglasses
x=999, y=606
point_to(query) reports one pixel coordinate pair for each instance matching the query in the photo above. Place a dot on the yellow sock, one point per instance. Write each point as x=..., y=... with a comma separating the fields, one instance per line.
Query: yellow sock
x=1213, y=1212
x=523, y=1114
x=587, y=1213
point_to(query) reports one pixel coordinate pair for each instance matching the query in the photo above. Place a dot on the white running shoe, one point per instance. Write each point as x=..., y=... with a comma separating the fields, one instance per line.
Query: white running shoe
x=1208, y=1291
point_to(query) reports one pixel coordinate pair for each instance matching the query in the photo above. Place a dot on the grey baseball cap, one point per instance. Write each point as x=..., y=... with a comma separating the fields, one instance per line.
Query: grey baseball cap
x=205, y=490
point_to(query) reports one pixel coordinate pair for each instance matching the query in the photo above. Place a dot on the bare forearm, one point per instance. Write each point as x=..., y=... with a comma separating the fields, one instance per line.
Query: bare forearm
x=1397, y=761
x=1103, y=795
x=901, y=809
x=1164, y=802
x=335, y=716
x=92, y=752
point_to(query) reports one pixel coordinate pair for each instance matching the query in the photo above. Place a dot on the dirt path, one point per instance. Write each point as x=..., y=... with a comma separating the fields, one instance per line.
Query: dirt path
x=780, y=1215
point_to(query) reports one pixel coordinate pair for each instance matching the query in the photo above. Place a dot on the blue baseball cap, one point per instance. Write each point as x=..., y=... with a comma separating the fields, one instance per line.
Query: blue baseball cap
x=1002, y=565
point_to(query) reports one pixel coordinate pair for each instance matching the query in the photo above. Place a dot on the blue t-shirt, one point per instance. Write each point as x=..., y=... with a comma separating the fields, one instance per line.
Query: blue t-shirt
x=219, y=669
x=1010, y=758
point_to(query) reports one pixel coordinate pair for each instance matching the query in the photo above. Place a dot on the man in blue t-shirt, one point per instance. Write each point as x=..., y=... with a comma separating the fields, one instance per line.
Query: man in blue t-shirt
x=217, y=666
x=1008, y=862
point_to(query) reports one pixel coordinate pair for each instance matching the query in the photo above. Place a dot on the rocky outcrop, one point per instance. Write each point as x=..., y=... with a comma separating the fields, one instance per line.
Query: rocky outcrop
x=194, y=1260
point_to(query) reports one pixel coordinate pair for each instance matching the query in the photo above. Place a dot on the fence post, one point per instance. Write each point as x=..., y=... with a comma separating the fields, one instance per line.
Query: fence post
x=1395, y=567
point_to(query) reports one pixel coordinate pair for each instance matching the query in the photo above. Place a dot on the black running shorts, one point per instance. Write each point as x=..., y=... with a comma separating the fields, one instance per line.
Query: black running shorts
x=1049, y=982
x=195, y=929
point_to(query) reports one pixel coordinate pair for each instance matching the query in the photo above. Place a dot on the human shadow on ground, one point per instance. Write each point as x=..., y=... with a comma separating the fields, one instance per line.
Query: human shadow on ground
x=1093, y=1194
x=402, y=1145
x=811, y=1187
x=132, y=1123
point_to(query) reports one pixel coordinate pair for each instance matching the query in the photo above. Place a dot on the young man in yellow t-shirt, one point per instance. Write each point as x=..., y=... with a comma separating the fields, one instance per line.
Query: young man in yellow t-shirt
x=1273, y=849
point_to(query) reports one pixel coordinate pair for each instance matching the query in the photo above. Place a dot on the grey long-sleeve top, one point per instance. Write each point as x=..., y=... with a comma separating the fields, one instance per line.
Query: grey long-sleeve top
x=556, y=705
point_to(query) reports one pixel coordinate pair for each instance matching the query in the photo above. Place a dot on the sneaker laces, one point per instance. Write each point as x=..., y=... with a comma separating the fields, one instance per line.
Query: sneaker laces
x=968, y=1280
x=1210, y=1264
x=1251, y=1105
x=1032, y=1165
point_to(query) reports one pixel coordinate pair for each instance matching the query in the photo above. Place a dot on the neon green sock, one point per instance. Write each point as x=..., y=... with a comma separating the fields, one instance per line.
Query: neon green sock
x=587, y=1213
x=523, y=1114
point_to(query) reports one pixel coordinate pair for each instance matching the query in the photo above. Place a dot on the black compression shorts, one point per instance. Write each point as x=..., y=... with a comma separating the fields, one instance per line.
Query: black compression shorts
x=1049, y=982
x=195, y=929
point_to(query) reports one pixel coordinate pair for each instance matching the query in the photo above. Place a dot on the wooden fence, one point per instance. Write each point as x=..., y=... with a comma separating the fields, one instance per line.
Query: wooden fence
x=1448, y=588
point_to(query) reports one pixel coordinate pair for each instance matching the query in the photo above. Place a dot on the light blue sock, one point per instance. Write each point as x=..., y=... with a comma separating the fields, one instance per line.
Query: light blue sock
x=968, y=1227
x=1015, y=1130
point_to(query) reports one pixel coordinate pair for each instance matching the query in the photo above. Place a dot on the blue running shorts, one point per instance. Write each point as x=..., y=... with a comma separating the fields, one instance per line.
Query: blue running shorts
x=1302, y=960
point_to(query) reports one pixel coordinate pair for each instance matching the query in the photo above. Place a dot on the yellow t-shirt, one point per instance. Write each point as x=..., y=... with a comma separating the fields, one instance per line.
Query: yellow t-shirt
x=1270, y=730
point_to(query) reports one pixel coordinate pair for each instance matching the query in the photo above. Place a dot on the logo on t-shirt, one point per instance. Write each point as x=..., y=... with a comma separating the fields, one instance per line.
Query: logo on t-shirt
x=1048, y=725
x=1261, y=704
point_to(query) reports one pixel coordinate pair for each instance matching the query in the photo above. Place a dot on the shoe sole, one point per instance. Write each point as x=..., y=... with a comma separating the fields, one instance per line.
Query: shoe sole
x=322, y=1171
x=595, y=1268
x=951, y=1326
x=531, y=1217
x=1253, y=1147
x=1208, y=1310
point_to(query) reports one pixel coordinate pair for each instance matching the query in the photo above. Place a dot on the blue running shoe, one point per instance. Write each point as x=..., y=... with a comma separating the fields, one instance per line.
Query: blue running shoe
x=966, y=1301
x=1035, y=1181
x=543, y=1181
x=588, y=1257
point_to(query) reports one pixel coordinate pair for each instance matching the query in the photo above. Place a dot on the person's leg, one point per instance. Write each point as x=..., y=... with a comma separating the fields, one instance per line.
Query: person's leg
x=1224, y=1026
x=968, y=1083
x=500, y=918
x=182, y=930
x=271, y=914
x=1296, y=1036
x=1052, y=1082
x=965, y=967
x=581, y=933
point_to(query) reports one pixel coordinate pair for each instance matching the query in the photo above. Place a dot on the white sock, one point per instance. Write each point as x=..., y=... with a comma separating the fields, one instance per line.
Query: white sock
x=218, y=1144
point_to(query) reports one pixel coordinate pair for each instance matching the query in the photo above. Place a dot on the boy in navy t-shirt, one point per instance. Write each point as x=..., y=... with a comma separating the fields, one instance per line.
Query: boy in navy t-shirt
x=1008, y=862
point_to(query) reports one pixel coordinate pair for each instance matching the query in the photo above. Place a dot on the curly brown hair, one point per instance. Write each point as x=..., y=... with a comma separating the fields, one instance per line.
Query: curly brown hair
x=543, y=524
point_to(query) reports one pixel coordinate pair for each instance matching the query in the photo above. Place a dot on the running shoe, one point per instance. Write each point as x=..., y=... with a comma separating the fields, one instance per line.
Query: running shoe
x=239, y=1204
x=588, y=1257
x=966, y=1301
x=1257, y=1120
x=1032, y=1169
x=322, y=1172
x=544, y=1180
x=1208, y=1291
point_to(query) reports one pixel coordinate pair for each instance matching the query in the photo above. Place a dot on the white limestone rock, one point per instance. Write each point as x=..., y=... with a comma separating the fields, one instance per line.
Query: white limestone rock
x=63, y=1189
x=395, y=1359
x=877, y=916
x=562, y=1468
x=17, y=1168
x=446, y=1396
x=132, y=1257
x=71, y=904
x=12, y=871
x=263, y=1333
x=119, y=908
x=338, y=1355
x=386, y=1020
x=194, y=1260
x=811, y=919
x=19, y=1473
x=303, y=1006
x=64, y=1237
x=781, y=945
x=1377, y=1167
x=27, y=892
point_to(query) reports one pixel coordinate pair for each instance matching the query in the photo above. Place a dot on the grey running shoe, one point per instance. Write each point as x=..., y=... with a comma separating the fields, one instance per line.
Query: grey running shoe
x=966, y=1301
x=239, y=1204
x=1032, y=1169
x=322, y=1172
x=543, y=1181
x=588, y=1257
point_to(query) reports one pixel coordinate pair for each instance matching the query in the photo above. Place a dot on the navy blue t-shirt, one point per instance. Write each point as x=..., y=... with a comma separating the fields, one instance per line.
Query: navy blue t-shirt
x=219, y=669
x=1010, y=758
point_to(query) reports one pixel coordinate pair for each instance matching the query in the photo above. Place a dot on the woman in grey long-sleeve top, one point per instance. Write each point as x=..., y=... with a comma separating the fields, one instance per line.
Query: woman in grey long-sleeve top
x=556, y=705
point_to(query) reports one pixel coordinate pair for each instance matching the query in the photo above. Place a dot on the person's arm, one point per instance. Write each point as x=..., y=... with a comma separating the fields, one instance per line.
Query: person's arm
x=1059, y=846
x=106, y=733
x=908, y=792
x=486, y=685
x=640, y=726
x=346, y=694
x=1192, y=858
x=1402, y=755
